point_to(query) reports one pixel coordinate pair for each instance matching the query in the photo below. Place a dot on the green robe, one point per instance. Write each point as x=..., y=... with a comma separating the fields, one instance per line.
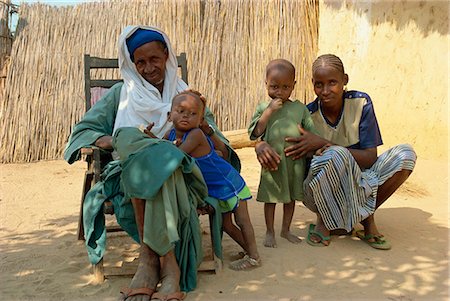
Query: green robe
x=154, y=170
x=285, y=184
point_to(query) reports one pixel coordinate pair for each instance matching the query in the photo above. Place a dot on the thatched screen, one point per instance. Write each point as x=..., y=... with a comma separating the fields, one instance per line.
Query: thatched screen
x=228, y=44
x=5, y=41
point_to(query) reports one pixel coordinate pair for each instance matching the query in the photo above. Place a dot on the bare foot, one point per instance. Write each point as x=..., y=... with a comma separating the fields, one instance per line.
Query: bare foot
x=147, y=274
x=170, y=278
x=320, y=228
x=371, y=230
x=270, y=241
x=291, y=237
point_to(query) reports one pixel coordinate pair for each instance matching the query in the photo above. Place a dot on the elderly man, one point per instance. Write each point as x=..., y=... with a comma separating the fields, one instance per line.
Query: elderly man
x=156, y=206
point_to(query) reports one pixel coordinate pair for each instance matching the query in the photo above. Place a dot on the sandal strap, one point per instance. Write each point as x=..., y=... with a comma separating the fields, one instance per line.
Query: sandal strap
x=244, y=263
x=252, y=261
x=320, y=235
x=378, y=238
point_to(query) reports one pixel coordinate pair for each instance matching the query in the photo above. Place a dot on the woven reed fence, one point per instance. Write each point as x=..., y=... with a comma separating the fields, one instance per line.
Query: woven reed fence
x=228, y=44
x=5, y=42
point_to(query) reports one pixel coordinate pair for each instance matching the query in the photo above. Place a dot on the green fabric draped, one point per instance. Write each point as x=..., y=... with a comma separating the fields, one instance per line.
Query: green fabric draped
x=154, y=170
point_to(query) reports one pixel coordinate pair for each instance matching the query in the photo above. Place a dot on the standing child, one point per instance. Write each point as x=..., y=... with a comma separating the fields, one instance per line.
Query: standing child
x=223, y=181
x=273, y=121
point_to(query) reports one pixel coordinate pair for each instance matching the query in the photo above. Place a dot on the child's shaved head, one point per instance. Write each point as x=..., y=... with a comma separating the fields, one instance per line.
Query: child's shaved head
x=280, y=65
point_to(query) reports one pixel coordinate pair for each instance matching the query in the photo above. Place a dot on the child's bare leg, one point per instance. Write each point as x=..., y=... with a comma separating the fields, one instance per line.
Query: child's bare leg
x=243, y=221
x=234, y=232
x=288, y=213
x=269, y=214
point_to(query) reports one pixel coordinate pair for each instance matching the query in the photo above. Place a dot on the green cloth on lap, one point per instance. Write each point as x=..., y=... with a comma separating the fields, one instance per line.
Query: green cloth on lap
x=138, y=150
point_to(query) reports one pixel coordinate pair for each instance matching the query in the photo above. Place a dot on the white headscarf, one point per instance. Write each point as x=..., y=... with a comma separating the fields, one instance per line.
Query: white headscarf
x=140, y=102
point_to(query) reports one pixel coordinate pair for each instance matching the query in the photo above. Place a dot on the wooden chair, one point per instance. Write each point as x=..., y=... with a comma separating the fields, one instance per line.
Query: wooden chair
x=97, y=158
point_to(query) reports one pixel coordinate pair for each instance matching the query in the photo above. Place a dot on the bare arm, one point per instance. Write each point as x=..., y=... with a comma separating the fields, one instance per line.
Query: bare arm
x=195, y=144
x=218, y=143
x=364, y=157
x=261, y=125
x=308, y=142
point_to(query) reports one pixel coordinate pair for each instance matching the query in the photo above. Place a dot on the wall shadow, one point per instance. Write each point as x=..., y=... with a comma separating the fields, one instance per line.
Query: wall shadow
x=416, y=268
x=429, y=16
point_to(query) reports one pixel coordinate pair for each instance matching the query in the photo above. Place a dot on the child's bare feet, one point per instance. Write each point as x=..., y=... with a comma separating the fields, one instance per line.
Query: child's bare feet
x=270, y=241
x=291, y=237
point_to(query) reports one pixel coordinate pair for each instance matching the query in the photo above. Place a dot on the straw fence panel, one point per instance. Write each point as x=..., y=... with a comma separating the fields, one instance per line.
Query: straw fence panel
x=5, y=43
x=228, y=44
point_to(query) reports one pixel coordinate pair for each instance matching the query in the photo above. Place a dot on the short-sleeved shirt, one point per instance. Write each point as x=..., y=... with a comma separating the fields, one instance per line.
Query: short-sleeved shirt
x=356, y=127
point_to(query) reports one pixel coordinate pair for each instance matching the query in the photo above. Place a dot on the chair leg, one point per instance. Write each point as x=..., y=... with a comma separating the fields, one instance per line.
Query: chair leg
x=98, y=271
x=86, y=186
x=218, y=264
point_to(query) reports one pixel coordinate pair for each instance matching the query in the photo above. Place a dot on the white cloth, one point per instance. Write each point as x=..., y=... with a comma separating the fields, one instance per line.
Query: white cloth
x=140, y=102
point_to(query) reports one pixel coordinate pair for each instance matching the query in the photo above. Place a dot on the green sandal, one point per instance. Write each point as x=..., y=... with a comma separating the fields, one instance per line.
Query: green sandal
x=323, y=238
x=379, y=242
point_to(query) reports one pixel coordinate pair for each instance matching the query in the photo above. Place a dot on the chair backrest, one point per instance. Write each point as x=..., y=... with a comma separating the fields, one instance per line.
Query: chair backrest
x=100, y=86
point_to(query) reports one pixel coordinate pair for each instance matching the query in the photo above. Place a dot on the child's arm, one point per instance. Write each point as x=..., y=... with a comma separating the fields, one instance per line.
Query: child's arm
x=195, y=144
x=148, y=130
x=219, y=145
x=261, y=124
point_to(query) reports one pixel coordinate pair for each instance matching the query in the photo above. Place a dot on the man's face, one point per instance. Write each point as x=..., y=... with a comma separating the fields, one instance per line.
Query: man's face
x=150, y=61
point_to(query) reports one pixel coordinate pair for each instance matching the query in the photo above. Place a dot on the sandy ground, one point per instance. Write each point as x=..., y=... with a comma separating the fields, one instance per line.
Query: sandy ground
x=41, y=259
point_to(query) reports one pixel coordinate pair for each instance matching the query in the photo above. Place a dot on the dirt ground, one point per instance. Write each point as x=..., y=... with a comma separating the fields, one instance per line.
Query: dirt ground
x=41, y=258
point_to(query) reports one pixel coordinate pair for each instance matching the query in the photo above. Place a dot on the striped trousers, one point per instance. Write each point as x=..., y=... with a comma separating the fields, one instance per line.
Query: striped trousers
x=341, y=192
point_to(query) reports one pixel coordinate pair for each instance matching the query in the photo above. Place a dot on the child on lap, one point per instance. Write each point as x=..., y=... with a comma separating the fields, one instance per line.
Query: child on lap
x=223, y=181
x=272, y=122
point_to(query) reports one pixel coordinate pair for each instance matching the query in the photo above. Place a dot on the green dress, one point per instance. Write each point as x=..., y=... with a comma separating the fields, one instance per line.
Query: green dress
x=151, y=169
x=285, y=184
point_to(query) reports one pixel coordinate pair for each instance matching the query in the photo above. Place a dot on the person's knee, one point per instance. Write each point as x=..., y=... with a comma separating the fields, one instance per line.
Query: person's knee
x=341, y=153
x=405, y=152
